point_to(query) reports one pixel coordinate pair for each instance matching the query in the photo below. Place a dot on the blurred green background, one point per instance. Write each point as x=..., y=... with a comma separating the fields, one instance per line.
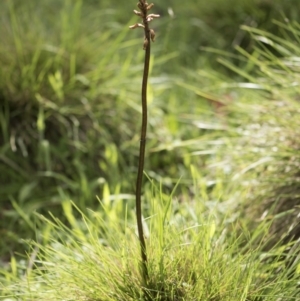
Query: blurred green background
x=70, y=80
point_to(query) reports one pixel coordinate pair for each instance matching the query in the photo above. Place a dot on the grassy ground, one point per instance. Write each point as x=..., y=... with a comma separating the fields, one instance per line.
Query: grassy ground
x=221, y=199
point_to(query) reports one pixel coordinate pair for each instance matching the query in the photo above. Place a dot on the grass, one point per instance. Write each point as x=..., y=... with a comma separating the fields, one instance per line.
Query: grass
x=257, y=121
x=67, y=108
x=69, y=111
x=192, y=256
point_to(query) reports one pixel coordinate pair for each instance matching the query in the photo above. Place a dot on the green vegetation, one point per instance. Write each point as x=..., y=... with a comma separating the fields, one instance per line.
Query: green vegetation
x=222, y=190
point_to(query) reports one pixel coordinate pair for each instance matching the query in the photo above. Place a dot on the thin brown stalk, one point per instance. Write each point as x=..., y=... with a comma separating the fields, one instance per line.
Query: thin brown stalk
x=149, y=36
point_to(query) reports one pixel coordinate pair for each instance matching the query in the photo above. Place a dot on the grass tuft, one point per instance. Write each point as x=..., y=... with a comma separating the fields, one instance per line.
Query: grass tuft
x=97, y=259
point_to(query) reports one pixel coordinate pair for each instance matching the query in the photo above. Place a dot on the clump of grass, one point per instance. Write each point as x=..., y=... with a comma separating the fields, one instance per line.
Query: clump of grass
x=254, y=142
x=191, y=256
x=61, y=104
x=271, y=125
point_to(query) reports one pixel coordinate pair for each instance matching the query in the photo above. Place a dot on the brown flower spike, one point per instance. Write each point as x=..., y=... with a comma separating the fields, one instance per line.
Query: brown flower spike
x=149, y=33
x=144, y=7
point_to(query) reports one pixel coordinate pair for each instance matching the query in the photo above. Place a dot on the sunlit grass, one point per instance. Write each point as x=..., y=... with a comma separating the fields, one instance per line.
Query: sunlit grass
x=193, y=255
x=252, y=140
x=70, y=83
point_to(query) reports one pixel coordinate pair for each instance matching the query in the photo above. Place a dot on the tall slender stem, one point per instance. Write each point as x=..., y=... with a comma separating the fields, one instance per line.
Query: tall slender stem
x=139, y=179
x=149, y=36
